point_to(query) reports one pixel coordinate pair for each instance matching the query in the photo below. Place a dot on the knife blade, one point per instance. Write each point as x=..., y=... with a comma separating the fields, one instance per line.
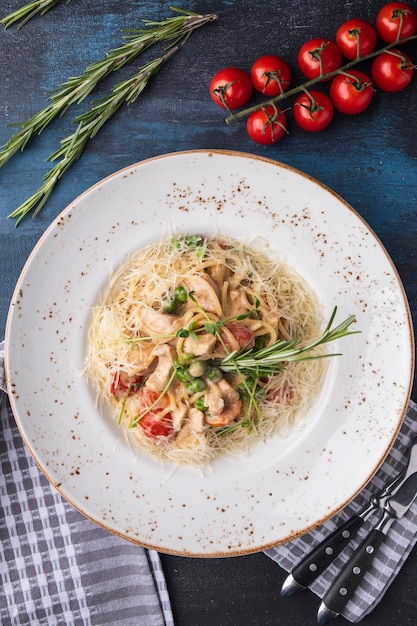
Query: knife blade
x=316, y=561
x=351, y=575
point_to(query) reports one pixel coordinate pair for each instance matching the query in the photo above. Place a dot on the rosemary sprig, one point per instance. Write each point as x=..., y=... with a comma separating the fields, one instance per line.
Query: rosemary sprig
x=89, y=123
x=27, y=11
x=270, y=359
x=172, y=30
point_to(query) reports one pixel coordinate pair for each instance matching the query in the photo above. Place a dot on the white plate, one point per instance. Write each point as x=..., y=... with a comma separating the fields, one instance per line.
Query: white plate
x=285, y=487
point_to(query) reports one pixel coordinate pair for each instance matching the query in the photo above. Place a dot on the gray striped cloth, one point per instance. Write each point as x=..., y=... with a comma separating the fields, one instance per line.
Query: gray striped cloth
x=58, y=568
x=393, y=552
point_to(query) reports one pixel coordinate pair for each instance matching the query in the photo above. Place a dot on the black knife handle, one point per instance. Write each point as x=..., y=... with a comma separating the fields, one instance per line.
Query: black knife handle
x=350, y=577
x=320, y=558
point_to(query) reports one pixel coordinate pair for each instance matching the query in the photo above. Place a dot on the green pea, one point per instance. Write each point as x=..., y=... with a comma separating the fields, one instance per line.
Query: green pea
x=196, y=385
x=180, y=294
x=168, y=305
x=182, y=373
x=214, y=374
x=197, y=369
x=200, y=404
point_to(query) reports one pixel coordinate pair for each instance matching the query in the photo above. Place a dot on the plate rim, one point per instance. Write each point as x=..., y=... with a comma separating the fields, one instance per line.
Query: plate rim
x=231, y=153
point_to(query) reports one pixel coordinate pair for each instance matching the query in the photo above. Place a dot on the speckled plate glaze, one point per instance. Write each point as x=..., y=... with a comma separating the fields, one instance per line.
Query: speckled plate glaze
x=282, y=488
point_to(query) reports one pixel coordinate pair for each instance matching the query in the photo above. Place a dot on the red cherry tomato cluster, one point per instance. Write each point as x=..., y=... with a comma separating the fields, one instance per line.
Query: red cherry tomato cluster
x=320, y=59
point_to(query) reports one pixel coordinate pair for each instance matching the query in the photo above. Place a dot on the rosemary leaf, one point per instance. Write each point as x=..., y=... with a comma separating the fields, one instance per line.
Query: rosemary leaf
x=172, y=30
x=27, y=11
x=271, y=358
x=88, y=125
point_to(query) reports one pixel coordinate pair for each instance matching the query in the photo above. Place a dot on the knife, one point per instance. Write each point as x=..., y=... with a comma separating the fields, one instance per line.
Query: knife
x=350, y=577
x=325, y=552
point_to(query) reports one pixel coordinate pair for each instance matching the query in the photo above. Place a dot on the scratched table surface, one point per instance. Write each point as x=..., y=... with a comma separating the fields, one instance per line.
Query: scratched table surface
x=370, y=160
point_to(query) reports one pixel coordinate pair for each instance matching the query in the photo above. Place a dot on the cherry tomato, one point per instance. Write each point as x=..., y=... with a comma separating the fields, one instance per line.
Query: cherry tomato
x=270, y=75
x=148, y=398
x=392, y=70
x=351, y=92
x=319, y=56
x=122, y=384
x=242, y=334
x=356, y=38
x=396, y=20
x=267, y=125
x=231, y=88
x=157, y=427
x=154, y=424
x=313, y=111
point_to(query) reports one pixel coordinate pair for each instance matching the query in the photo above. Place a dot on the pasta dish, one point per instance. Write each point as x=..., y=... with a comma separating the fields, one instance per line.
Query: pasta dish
x=199, y=347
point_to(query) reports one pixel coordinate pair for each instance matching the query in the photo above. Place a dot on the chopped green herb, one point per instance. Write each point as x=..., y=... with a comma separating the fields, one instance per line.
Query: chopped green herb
x=200, y=404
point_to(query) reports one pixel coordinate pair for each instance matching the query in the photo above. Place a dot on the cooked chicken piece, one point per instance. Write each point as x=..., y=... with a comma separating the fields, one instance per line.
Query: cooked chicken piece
x=197, y=422
x=192, y=434
x=178, y=416
x=203, y=345
x=223, y=402
x=159, y=377
x=205, y=293
x=219, y=273
x=214, y=400
x=159, y=323
x=236, y=303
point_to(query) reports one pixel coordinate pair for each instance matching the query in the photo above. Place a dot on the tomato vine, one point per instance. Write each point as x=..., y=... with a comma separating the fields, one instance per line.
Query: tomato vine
x=314, y=81
x=321, y=61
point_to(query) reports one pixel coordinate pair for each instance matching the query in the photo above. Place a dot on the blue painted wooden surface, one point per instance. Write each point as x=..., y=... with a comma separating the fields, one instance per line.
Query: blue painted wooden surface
x=370, y=160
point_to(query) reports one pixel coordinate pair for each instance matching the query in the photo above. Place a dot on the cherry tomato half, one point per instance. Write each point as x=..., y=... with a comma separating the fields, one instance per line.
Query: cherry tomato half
x=396, y=20
x=267, y=125
x=231, y=88
x=156, y=427
x=241, y=334
x=313, y=111
x=122, y=384
x=392, y=71
x=356, y=38
x=154, y=423
x=318, y=56
x=352, y=92
x=270, y=75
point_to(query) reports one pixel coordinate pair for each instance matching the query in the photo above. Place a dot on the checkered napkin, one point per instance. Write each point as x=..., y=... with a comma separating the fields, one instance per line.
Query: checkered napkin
x=393, y=551
x=57, y=568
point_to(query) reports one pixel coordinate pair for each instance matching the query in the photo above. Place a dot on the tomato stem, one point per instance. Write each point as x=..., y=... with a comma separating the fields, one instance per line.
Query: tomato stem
x=405, y=63
x=400, y=13
x=357, y=33
x=356, y=82
x=273, y=118
x=313, y=107
x=220, y=92
x=318, y=79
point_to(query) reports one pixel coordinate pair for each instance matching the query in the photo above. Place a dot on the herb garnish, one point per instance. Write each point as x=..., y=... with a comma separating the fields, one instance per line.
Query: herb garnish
x=174, y=30
x=270, y=359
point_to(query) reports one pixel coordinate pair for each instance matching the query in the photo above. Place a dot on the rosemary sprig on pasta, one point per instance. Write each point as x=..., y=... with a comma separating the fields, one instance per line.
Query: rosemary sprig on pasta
x=270, y=360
